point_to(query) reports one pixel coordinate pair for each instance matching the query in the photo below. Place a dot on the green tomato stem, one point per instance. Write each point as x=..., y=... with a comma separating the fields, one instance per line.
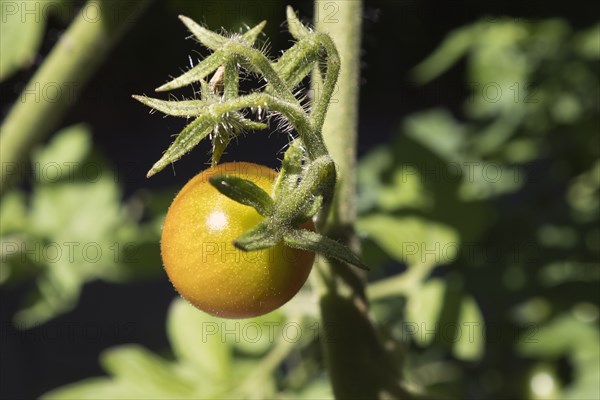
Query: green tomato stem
x=369, y=371
x=68, y=67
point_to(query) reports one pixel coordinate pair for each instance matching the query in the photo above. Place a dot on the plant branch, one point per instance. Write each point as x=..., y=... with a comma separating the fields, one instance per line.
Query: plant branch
x=67, y=69
x=368, y=371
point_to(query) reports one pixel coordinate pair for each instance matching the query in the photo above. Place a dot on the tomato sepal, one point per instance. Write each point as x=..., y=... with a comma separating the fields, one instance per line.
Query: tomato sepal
x=291, y=170
x=296, y=28
x=210, y=63
x=262, y=236
x=307, y=240
x=243, y=191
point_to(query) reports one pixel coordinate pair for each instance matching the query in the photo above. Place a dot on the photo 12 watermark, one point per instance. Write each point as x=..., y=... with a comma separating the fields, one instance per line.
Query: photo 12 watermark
x=71, y=252
x=92, y=12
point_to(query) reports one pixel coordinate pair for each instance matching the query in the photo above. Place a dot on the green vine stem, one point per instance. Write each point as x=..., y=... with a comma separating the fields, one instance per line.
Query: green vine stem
x=360, y=366
x=70, y=64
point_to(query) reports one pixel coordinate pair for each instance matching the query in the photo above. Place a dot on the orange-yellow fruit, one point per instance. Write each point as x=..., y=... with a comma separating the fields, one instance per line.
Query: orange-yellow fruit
x=205, y=267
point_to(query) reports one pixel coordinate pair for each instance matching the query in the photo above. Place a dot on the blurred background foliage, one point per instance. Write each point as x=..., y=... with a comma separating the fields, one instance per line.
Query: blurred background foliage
x=478, y=202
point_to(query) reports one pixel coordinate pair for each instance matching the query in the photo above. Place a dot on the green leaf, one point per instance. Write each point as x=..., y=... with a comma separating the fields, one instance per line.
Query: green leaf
x=20, y=36
x=454, y=46
x=411, y=240
x=93, y=389
x=587, y=43
x=78, y=216
x=13, y=213
x=196, y=339
x=140, y=367
x=568, y=335
x=257, y=335
x=470, y=344
x=423, y=310
x=75, y=230
x=308, y=240
x=57, y=292
x=406, y=190
x=189, y=137
x=370, y=170
x=243, y=191
x=63, y=154
x=439, y=131
x=71, y=242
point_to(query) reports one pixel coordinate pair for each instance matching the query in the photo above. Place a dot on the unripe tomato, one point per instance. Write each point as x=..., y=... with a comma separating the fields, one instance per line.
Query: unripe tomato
x=205, y=267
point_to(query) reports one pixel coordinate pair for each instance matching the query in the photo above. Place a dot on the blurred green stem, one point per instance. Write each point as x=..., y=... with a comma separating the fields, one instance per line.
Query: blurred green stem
x=359, y=365
x=58, y=82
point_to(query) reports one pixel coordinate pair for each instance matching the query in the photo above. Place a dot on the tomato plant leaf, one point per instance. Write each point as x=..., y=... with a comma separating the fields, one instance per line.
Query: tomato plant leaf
x=470, y=345
x=20, y=38
x=243, y=191
x=406, y=239
x=193, y=339
x=145, y=369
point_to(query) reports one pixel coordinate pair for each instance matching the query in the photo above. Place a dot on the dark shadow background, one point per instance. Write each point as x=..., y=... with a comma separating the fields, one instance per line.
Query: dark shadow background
x=397, y=34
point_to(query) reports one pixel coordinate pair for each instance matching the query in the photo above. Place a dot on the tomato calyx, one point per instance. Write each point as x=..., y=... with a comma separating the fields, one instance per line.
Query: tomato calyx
x=298, y=195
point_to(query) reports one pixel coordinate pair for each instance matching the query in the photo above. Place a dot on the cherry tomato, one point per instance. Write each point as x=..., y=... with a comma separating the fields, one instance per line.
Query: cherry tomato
x=205, y=267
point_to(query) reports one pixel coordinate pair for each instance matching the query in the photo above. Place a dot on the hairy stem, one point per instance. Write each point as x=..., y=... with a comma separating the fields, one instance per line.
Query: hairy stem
x=326, y=90
x=359, y=365
x=68, y=67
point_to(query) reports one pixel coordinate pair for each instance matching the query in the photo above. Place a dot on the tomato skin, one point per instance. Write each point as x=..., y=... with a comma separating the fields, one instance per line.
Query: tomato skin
x=205, y=267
